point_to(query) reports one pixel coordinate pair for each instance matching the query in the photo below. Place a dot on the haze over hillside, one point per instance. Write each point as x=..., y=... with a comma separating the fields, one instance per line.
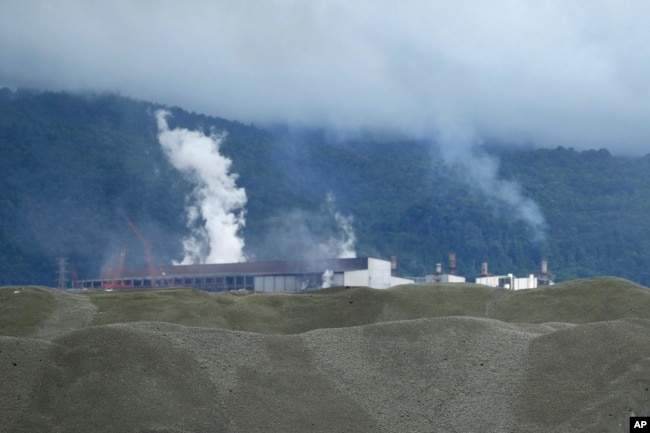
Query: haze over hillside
x=416, y=132
x=77, y=168
x=552, y=73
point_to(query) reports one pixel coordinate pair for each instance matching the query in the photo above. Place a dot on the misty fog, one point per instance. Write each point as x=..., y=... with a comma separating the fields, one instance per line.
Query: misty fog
x=551, y=73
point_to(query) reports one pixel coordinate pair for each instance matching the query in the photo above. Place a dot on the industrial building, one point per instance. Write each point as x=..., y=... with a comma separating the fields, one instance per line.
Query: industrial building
x=273, y=276
x=510, y=282
x=448, y=277
x=505, y=281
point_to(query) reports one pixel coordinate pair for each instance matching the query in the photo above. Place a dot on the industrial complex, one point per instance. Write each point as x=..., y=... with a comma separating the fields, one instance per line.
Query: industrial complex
x=300, y=275
x=274, y=276
x=505, y=281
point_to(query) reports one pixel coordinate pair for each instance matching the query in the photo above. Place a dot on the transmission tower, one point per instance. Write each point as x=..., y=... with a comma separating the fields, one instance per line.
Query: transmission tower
x=63, y=271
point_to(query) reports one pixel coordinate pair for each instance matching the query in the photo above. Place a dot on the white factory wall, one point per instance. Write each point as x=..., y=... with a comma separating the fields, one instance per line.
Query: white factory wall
x=377, y=276
x=379, y=273
x=444, y=278
x=491, y=280
x=529, y=282
x=357, y=278
x=288, y=283
x=396, y=281
x=448, y=278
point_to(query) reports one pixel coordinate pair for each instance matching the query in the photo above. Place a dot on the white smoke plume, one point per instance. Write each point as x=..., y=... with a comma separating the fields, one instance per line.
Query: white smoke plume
x=311, y=235
x=460, y=150
x=342, y=244
x=215, y=210
x=328, y=279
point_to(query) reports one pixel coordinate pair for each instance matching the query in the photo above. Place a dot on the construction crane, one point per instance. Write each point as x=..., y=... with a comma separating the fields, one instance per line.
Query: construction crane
x=112, y=276
x=117, y=273
x=147, y=250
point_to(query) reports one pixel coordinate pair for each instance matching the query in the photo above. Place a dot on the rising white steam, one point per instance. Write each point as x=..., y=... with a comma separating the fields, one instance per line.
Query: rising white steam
x=328, y=279
x=215, y=210
x=480, y=170
x=342, y=244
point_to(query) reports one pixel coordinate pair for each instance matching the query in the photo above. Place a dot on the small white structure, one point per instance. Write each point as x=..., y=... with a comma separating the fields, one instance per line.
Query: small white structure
x=377, y=275
x=508, y=281
x=449, y=277
x=444, y=278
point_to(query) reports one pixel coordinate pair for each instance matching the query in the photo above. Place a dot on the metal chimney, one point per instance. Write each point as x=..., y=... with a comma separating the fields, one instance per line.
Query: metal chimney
x=393, y=265
x=437, y=276
x=544, y=278
x=452, y=263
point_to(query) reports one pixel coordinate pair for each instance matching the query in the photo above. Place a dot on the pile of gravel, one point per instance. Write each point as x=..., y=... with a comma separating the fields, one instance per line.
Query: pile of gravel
x=453, y=374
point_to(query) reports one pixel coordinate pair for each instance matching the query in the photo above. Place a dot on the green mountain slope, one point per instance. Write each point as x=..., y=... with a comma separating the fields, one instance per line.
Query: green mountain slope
x=76, y=167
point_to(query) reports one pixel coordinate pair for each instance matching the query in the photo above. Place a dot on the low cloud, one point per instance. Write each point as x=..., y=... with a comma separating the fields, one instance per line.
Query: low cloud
x=548, y=73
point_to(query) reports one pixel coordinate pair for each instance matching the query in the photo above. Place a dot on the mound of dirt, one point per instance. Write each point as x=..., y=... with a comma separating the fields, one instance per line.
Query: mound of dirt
x=440, y=375
x=408, y=365
x=587, y=378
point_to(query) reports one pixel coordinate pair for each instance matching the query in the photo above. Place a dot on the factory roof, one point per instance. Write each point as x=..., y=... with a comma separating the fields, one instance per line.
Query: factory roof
x=254, y=268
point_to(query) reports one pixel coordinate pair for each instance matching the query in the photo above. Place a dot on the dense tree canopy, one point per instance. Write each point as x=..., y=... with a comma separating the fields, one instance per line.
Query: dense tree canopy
x=76, y=167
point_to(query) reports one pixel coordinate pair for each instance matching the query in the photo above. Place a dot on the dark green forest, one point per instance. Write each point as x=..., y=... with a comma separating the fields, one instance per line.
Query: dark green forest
x=76, y=167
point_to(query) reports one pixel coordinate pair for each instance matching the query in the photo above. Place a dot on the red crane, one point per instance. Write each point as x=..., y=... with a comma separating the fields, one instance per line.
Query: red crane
x=117, y=274
x=112, y=276
x=147, y=250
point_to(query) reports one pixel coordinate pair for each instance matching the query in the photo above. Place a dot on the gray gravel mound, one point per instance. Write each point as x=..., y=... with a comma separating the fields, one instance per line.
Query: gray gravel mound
x=453, y=374
x=587, y=378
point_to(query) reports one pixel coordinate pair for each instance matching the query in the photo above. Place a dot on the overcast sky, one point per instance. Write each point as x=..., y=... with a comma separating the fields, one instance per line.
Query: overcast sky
x=572, y=73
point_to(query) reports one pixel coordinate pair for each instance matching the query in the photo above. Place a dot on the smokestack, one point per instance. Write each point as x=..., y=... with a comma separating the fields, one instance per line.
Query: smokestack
x=452, y=263
x=393, y=265
x=544, y=278
x=484, y=269
x=437, y=276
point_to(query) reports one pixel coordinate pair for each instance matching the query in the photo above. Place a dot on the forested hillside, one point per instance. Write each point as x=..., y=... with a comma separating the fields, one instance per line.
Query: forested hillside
x=75, y=168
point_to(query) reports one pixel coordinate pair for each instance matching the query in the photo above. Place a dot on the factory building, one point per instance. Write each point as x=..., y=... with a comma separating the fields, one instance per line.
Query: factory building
x=506, y=281
x=510, y=282
x=448, y=277
x=274, y=276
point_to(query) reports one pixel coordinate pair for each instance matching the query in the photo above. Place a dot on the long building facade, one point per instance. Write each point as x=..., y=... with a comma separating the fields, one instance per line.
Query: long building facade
x=273, y=276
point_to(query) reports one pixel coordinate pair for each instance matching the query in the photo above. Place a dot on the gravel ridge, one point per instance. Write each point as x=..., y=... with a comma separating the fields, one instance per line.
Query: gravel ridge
x=447, y=374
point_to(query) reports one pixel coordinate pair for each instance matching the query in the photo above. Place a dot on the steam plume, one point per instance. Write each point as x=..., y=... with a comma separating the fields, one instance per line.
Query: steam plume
x=328, y=279
x=215, y=210
x=460, y=150
x=311, y=234
x=342, y=244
